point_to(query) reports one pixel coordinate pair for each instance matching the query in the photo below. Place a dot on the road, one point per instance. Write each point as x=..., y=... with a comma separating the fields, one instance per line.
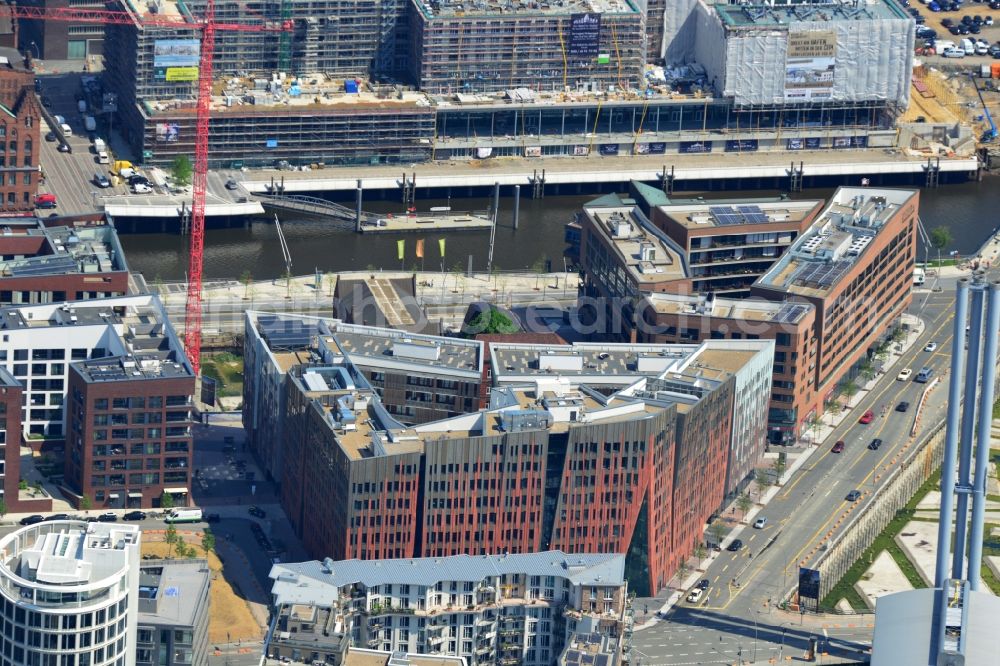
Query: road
x=731, y=623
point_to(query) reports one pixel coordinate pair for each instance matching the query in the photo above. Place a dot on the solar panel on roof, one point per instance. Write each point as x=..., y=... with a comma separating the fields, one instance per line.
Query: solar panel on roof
x=587, y=659
x=602, y=660
x=572, y=657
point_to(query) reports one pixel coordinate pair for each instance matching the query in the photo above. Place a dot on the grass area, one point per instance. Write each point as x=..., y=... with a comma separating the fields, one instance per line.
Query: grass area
x=991, y=548
x=844, y=589
x=230, y=616
x=935, y=263
x=906, y=566
x=225, y=368
x=996, y=412
x=995, y=455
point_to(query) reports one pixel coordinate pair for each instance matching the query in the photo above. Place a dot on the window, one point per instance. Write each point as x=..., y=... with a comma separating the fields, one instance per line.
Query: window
x=76, y=49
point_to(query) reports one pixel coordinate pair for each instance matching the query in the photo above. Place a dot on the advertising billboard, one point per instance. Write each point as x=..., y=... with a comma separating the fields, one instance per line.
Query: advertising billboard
x=809, y=583
x=609, y=149
x=176, y=52
x=167, y=132
x=741, y=145
x=655, y=148
x=584, y=36
x=696, y=146
x=532, y=151
x=181, y=74
x=581, y=150
x=809, y=65
x=809, y=143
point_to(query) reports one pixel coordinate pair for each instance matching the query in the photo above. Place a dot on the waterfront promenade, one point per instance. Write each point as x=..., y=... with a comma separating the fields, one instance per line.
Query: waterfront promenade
x=745, y=168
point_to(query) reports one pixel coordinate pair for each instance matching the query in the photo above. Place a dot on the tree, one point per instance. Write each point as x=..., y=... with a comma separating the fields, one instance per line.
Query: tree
x=700, y=552
x=166, y=500
x=247, y=279
x=779, y=466
x=492, y=321
x=867, y=371
x=182, y=170
x=538, y=268
x=3, y=508
x=743, y=503
x=171, y=538
x=682, y=572
x=763, y=480
x=850, y=390
x=815, y=423
x=85, y=504
x=717, y=530
x=207, y=541
x=940, y=239
x=458, y=271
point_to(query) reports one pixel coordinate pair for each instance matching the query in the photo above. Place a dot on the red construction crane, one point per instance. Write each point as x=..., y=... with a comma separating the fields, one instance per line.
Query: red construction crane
x=208, y=27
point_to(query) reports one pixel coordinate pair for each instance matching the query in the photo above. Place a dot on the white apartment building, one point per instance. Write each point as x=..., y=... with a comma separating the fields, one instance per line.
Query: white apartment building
x=38, y=342
x=70, y=594
x=490, y=609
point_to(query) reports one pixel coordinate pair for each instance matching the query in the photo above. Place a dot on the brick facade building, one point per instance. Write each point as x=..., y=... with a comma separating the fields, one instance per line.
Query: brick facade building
x=19, y=134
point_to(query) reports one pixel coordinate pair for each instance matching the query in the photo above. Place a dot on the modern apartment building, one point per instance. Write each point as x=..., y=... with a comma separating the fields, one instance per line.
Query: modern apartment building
x=422, y=378
x=488, y=46
x=855, y=267
x=42, y=263
x=827, y=303
x=487, y=609
x=650, y=243
x=658, y=420
x=11, y=395
x=71, y=594
x=19, y=133
x=173, y=613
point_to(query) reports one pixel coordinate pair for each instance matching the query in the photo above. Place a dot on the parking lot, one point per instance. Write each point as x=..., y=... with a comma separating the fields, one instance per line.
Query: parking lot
x=71, y=176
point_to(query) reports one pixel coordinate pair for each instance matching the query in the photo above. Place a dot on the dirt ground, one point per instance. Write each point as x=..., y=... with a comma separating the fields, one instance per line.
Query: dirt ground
x=229, y=615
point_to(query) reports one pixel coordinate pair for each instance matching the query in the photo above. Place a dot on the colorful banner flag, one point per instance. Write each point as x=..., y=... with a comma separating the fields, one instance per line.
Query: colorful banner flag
x=441, y=246
x=420, y=248
x=400, y=248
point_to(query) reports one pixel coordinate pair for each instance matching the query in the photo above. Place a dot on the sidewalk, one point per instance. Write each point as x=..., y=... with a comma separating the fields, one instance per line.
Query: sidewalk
x=796, y=459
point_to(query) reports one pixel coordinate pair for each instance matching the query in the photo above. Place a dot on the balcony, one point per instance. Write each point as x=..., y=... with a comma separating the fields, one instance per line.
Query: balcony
x=433, y=640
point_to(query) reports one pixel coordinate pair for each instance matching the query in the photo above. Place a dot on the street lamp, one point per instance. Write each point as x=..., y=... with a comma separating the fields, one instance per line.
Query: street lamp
x=38, y=53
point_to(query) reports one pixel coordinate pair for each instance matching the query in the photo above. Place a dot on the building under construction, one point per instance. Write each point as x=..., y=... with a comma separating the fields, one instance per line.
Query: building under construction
x=472, y=46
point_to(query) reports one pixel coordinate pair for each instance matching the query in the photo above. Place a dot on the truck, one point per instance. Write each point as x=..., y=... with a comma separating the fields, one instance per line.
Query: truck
x=183, y=516
x=99, y=145
x=89, y=123
x=919, y=275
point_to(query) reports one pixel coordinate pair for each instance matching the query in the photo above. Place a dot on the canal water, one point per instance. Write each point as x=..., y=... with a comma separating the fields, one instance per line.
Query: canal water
x=969, y=210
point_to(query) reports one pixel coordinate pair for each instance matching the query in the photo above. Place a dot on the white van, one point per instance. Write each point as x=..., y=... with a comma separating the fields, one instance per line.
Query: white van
x=968, y=46
x=183, y=516
x=66, y=129
x=941, y=45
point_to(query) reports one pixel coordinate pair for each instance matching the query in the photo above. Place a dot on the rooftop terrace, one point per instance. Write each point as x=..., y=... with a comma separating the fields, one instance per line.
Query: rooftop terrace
x=835, y=242
x=787, y=13
x=168, y=590
x=736, y=216
x=459, y=8
x=748, y=309
x=38, y=250
x=69, y=552
x=645, y=251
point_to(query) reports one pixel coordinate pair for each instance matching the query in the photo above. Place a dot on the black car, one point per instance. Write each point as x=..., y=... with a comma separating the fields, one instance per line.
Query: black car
x=875, y=444
x=32, y=520
x=64, y=148
x=257, y=512
x=955, y=30
x=57, y=516
x=734, y=546
x=947, y=22
x=703, y=584
x=135, y=515
x=966, y=20
x=51, y=136
x=136, y=179
x=231, y=184
x=853, y=496
x=975, y=29
x=903, y=406
x=107, y=518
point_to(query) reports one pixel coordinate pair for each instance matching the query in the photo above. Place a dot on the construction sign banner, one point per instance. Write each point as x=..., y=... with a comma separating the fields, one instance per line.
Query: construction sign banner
x=441, y=246
x=584, y=36
x=182, y=74
x=401, y=249
x=809, y=64
x=420, y=248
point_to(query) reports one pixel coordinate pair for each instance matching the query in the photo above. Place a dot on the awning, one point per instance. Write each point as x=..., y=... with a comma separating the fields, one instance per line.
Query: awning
x=113, y=496
x=139, y=495
x=176, y=491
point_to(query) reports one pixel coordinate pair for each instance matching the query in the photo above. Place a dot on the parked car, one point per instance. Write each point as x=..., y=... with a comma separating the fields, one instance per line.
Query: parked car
x=734, y=545
x=32, y=520
x=51, y=136
x=904, y=374
x=137, y=178
x=101, y=180
x=853, y=496
x=45, y=200
x=64, y=148
x=57, y=516
x=141, y=188
x=838, y=447
x=703, y=584
x=867, y=417
x=257, y=512
x=875, y=444
x=695, y=595
x=760, y=523
x=903, y=406
x=107, y=518
x=135, y=515
x=231, y=184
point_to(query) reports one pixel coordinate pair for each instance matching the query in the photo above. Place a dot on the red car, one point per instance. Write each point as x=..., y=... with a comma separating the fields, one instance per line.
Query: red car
x=838, y=447
x=867, y=417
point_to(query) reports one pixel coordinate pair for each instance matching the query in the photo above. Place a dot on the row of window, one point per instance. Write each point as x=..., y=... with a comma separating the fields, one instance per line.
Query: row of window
x=136, y=479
